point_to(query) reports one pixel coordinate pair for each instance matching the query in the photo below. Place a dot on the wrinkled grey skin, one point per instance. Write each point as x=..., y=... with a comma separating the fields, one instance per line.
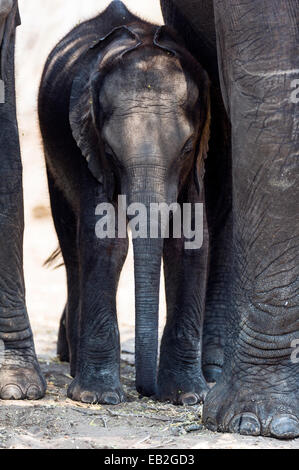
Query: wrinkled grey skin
x=253, y=55
x=125, y=110
x=20, y=375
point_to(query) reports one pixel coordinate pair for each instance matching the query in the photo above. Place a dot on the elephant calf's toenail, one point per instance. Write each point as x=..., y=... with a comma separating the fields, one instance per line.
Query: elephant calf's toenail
x=110, y=398
x=190, y=399
x=285, y=427
x=88, y=397
x=11, y=392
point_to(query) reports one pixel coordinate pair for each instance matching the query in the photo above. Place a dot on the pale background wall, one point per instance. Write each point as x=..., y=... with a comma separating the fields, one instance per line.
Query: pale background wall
x=44, y=22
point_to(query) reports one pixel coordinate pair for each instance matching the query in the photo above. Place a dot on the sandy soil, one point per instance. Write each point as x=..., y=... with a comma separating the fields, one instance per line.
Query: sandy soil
x=55, y=421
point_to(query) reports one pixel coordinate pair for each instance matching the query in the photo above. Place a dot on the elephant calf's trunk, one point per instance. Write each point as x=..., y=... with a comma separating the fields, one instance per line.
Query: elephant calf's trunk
x=147, y=262
x=146, y=185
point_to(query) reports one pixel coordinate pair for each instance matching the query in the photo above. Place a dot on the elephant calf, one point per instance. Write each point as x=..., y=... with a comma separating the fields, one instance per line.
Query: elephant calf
x=124, y=109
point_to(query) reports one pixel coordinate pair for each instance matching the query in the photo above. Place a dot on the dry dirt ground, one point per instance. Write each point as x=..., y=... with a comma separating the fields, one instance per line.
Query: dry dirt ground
x=56, y=422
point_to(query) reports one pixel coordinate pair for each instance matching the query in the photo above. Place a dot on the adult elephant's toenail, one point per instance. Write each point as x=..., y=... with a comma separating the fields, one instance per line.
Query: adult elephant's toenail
x=249, y=425
x=33, y=392
x=189, y=399
x=110, y=398
x=246, y=424
x=89, y=397
x=234, y=425
x=11, y=392
x=284, y=427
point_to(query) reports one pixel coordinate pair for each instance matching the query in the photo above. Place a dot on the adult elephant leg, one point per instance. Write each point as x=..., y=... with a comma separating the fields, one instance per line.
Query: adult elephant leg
x=195, y=22
x=258, y=391
x=20, y=375
x=180, y=377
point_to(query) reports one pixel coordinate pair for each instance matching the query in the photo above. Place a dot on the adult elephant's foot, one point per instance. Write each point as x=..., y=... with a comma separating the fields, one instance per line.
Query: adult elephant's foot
x=20, y=376
x=261, y=402
x=96, y=388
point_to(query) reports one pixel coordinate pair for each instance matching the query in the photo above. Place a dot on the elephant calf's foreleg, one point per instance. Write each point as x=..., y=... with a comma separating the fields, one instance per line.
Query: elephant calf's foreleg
x=180, y=377
x=97, y=378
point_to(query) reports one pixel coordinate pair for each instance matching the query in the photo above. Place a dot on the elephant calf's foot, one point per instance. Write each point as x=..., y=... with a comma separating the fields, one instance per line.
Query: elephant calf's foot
x=180, y=388
x=254, y=406
x=20, y=376
x=94, y=390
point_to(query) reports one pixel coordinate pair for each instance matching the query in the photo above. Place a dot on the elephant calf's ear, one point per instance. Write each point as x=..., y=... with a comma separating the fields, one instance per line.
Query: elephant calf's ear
x=83, y=125
x=204, y=137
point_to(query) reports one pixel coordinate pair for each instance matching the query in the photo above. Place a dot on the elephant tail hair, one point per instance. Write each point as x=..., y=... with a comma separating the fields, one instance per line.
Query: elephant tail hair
x=54, y=260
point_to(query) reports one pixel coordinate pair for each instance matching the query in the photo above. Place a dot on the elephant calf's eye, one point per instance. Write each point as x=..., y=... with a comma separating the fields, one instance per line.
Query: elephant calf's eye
x=109, y=151
x=188, y=147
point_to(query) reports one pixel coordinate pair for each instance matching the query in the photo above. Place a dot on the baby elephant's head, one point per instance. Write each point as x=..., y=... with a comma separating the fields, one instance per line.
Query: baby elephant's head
x=142, y=122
